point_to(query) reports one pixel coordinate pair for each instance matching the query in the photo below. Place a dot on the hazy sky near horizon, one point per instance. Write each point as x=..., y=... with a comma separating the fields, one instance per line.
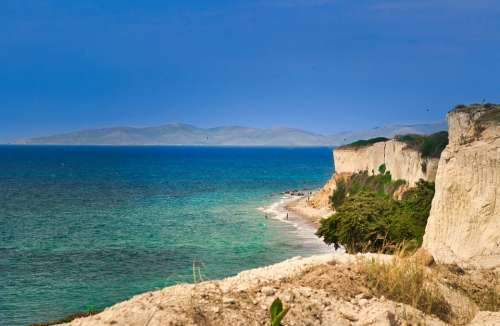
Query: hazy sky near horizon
x=320, y=65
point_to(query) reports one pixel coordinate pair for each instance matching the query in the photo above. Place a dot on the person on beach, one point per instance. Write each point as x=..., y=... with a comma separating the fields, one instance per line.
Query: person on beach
x=287, y=216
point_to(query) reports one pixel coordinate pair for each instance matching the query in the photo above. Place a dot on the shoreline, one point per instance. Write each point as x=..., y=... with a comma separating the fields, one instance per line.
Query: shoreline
x=247, y=296
x=292, y=208
x=296, y=203
x=301, y=207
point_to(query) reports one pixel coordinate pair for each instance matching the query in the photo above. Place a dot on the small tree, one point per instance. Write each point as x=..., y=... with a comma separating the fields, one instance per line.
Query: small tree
x=338, y=195
x=358, y=223
x=367, y=221
x=382, y=168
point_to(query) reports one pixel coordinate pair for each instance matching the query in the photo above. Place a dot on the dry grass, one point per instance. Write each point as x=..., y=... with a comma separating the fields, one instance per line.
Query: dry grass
x=407, y=281
x=490, y=299
x=446, y=291
x=480, y=286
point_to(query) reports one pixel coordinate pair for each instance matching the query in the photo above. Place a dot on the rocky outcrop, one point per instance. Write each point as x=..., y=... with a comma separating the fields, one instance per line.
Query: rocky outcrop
x=319, y=290
x=401, y=160
x=321, y=198
x=330, y=289
x=464, y=222
x=404, y=162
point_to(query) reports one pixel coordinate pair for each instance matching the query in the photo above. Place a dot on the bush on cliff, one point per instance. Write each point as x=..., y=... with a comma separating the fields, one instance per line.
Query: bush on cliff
x=358, y=224
x=364, y=142
x=367, y=221
x=427, y=145
x=339, y=194
x=381, y=184
x=382, y=168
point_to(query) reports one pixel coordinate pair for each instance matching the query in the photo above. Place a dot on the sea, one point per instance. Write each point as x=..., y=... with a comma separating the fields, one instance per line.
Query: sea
x=85, y=227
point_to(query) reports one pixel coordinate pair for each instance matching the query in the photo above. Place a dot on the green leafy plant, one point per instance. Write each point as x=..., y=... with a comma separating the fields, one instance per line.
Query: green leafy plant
x=382, y=184
x=339, y=194
x=427, y=145
x=369, y=219
x=365, y=142
x=382, y=168
x=359, y=223
x=277, y=312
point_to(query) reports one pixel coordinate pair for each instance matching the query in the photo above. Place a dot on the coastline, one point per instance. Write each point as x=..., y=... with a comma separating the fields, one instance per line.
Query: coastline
x=296, y=203
x=292, y=208
x=331, y=283
x=301, y=207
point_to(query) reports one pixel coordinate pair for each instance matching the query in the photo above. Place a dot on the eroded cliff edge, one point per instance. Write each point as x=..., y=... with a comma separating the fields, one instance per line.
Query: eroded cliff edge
x=404, y=161
x=464, y=223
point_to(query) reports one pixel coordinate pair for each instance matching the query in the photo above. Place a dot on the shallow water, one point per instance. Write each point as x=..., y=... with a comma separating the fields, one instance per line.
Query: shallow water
x=90, y=226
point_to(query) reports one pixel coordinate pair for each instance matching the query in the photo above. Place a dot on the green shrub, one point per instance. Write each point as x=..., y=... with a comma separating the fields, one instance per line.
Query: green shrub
x=382, y=168
x=363, y=142
x=428, y=146
x=339, y=194
x=358, y=224
x=368, y=220
x=434, y=144
x=381, y=184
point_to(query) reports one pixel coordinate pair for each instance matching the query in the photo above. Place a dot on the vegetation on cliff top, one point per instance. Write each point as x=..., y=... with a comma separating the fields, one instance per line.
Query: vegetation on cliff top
x=427, y=145
x=363, y=143
x=490, y=115
x=368, y=219
x=476, y=106
x=381, y=184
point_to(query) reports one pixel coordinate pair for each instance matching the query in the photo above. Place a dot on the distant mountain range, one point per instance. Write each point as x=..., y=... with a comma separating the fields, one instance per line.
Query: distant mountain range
x=184, y=134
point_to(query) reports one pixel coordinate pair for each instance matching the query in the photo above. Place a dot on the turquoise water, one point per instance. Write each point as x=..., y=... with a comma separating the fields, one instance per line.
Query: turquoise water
x=91, y=226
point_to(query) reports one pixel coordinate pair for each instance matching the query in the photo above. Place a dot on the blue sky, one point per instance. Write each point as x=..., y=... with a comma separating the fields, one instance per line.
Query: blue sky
x=321, y=65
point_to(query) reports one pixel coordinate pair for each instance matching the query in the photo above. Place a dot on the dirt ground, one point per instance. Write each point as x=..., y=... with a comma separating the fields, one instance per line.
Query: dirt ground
x=320, y=290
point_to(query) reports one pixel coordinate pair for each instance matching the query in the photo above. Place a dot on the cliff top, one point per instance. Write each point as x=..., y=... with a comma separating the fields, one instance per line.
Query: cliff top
x=476, y=107
x=488, y=113
x=363, y=143
x=469, y=123
x=429, y=145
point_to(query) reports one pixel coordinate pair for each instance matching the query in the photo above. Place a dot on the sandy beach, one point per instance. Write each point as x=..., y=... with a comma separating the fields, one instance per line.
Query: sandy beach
x=301, y=207
x=293, y=208
x=296, y=205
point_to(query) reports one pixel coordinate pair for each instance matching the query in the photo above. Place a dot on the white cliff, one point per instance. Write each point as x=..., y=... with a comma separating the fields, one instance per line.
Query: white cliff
x=403, y=161
x=464, y=222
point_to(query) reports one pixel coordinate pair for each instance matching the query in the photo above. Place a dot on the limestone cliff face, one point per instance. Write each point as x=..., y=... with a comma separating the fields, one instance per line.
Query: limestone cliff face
x=464, y=223
x=401, y=160
x=321, y=199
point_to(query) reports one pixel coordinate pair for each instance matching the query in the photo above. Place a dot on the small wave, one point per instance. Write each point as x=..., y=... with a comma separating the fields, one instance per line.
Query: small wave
x=305, y=230
x=277, y=210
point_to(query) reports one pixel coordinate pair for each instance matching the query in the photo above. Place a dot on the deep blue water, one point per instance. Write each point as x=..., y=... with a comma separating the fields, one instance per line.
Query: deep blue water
x=91, y=226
